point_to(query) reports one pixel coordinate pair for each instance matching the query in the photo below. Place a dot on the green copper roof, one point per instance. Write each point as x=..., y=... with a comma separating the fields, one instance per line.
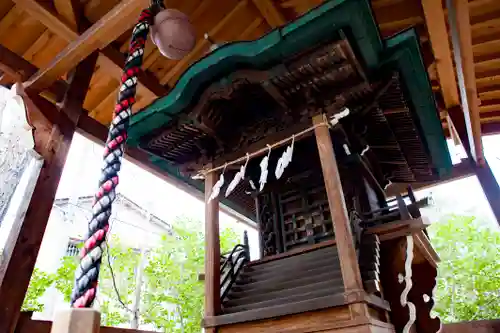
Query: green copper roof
x=322, y=24
x=403, y=52
x=319, y=25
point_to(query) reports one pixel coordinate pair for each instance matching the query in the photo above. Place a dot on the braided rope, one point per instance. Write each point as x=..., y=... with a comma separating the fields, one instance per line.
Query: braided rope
x=87, y=273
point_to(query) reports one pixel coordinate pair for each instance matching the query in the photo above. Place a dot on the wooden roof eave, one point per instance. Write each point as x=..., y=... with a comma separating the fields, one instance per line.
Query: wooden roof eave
x=462, y=47
x=459, y=19
x=97, y=36
x=277, y=44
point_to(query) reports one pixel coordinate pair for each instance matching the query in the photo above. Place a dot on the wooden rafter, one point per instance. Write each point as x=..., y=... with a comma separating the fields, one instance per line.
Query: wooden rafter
x=111, y=59
x=20, y=70
x=98, y=36
x=459, y=21
x=203, y=43
x=438, y=34
x=71, y=11
x=270, y=12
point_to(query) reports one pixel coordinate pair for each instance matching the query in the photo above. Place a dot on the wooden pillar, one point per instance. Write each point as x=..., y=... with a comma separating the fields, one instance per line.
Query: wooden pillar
x=341, y=226
x=483, y=172
x=460, y=29
x=52, y=142
x=212, y=249
x=77, y=321
x=490, y=188
x=53, y=147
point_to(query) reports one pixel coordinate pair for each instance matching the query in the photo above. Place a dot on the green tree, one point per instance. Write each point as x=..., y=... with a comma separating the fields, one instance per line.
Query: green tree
x=171, y=297
x=123, y=262
x=39, y=283
x=468, y=284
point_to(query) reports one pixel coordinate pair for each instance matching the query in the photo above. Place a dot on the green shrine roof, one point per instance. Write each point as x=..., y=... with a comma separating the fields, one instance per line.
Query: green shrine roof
x=335, y=19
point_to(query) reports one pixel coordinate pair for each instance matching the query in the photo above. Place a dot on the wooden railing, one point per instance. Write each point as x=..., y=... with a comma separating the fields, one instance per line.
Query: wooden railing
x=231, y=266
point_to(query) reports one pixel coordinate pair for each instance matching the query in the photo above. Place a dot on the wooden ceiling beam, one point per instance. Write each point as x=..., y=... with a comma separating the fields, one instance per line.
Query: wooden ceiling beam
x=490, y=102
x=438, y=35
x=490, y=94
x=483, y=58
x=113, y=59
x=202, y=43
x=484, y=75
x=270, y=12
x=20, y=70
x=491, y=128
x=120, y=19
x=459, y=22
x=71, y=12
x=491, y=114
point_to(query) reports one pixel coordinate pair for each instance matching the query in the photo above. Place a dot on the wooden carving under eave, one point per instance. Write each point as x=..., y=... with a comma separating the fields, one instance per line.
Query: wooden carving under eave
x=266, y=218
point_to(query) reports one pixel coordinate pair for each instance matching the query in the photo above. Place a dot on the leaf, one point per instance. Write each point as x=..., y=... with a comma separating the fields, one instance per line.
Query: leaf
x=172, y=298
x=468, y=287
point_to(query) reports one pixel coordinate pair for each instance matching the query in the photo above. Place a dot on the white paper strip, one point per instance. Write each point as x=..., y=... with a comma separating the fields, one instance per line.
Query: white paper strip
x=284, y=160
x=217, y=187
x=263, y=170
x=240, y=175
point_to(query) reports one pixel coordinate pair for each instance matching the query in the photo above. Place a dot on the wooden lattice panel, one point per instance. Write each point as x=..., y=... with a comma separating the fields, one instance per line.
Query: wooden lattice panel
x=305, y=216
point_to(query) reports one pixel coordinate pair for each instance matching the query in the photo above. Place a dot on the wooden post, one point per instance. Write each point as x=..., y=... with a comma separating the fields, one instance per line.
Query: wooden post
x=53, y=145
x=52, y=142
x=77, y=321
x=490, y=188
x=212, y=249
x=460, y=29
x=341, y=226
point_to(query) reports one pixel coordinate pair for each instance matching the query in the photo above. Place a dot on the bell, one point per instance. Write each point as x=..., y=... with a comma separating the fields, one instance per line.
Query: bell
x=173, y=34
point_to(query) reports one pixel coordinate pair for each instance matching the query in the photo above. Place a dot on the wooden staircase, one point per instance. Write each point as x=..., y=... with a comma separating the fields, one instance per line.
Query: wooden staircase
x=296, y=279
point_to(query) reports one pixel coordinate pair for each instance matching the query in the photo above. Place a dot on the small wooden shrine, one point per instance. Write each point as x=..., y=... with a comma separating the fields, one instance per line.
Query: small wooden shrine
x=305, y=128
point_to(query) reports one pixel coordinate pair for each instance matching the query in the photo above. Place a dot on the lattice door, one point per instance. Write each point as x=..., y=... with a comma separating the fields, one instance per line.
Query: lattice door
x=306, y=217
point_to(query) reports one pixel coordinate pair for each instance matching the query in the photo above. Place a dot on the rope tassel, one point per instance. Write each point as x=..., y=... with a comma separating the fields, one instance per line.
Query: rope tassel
x=87, y=273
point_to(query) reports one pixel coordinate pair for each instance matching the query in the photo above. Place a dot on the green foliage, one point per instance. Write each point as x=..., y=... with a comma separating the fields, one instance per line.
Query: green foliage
x=65, y=275
x=123, y=262
x=172, y=296
x=468, y=285
x=39, y=283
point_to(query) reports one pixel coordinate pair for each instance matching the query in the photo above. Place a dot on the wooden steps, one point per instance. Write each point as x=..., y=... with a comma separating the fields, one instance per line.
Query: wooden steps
x=297, y=279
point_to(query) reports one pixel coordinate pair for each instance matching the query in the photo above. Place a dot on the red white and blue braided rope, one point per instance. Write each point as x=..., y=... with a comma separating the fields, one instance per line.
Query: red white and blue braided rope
x=87, y=273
